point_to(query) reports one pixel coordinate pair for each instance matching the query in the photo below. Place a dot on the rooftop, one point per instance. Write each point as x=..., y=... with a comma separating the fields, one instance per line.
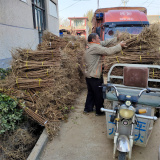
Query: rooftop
x=78, y=18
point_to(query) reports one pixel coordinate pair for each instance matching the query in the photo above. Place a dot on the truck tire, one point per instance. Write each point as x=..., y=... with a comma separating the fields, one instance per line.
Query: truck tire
x=122, y=156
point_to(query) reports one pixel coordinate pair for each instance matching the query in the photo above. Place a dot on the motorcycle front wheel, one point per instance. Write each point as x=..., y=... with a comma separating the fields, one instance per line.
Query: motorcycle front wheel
x=122, y=156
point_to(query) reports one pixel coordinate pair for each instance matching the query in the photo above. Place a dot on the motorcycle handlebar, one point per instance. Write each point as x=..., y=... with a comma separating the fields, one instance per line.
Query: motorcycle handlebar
x=113, y=86
x=140, y=93
x=137, y=115
x=148, y=90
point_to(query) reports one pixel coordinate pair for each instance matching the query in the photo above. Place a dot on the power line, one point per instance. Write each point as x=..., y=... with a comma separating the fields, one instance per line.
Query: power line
x=73, y=4
x=70, y=6
x=152, y=7
x=150, y=3
x=156, y=3
x=145, y=2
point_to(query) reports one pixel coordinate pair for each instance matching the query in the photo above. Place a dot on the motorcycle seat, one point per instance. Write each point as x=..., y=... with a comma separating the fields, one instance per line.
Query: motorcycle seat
x=135, y=76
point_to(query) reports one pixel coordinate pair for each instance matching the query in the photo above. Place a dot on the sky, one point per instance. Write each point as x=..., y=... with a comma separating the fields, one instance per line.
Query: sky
x=77, y=8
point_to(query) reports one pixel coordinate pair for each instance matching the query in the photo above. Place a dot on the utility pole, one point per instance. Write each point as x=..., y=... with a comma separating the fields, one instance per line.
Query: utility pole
x=125, y=2
x=97, y=4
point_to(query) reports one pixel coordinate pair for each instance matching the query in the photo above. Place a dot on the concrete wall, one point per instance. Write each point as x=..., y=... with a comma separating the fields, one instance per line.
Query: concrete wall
x=52, y=22
x=17, y=29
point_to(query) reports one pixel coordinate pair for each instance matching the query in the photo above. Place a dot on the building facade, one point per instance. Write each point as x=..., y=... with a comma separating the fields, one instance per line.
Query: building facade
x=22, y=23
x=78, y=26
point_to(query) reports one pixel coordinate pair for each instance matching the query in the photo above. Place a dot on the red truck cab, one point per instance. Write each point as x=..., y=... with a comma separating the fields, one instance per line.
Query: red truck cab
x=107, y=21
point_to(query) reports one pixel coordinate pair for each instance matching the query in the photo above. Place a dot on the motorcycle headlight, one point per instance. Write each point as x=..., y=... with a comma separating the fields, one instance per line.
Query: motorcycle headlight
x=126, y=112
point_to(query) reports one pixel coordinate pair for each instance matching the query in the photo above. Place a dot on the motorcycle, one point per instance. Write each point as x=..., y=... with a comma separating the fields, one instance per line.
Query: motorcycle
x=131, y=120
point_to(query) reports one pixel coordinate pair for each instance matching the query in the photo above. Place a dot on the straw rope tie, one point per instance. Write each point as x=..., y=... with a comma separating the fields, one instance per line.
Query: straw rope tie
x=27, y=64
x=122, y=52
x=117, y=59
x=3, y=90
x=140, y=59
x=39, y=81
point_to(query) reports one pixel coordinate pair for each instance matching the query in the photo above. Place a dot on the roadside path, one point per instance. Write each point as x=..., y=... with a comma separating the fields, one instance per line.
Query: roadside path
x=84, y=137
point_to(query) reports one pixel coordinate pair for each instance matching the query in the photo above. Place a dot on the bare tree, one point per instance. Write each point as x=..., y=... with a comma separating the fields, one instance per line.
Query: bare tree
x=89, y=14
x=64, y=22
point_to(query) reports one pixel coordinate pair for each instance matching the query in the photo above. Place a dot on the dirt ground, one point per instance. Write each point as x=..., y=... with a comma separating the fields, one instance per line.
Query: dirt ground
x=84, y=137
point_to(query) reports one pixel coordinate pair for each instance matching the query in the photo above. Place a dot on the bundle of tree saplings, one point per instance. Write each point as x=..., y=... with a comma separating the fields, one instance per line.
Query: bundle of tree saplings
x=48, y=80
x=19, y=144
x=143, y=48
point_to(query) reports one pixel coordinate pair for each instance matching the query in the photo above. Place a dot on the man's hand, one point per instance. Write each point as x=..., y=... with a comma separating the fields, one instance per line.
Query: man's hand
x=119, y=35
x=123, y=44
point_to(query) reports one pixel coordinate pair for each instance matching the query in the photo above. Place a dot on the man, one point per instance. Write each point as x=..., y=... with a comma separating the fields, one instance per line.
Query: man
x=93, y=57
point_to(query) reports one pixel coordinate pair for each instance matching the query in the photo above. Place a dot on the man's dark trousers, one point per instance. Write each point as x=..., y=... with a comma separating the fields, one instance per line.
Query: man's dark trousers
x=95, y=95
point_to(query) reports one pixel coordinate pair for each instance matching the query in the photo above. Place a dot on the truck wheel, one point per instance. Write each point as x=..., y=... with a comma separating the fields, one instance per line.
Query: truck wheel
x=122, y=156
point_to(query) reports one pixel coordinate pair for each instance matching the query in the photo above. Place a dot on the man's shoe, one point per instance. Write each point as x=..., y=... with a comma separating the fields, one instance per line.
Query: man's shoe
x=100, y=114
x=85, y=112
x=88, y=111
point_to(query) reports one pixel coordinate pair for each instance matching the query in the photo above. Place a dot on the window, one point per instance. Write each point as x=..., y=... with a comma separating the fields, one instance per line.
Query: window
x=53, y=9
x=24, y=0
x=38, y=10
x=38, y=3
x=110, y=32
x=79, y=22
